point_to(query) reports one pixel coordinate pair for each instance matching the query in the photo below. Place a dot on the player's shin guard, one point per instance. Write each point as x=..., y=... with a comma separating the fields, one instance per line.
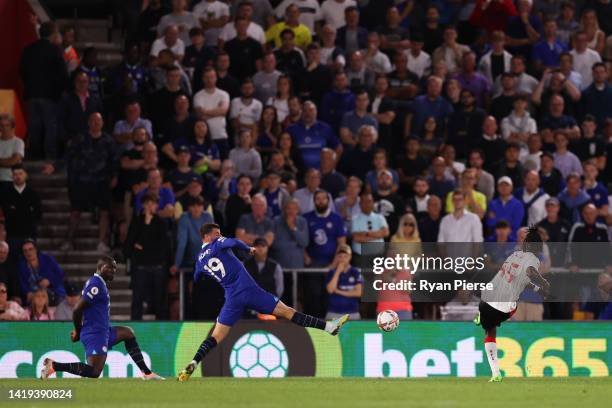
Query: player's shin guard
x=205, y=348
x=305, y=320
x=80, y=369
x=491, y=350
x=131, y=346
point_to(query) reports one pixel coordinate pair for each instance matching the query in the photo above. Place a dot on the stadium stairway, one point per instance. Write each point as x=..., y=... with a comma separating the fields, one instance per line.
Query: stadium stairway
x=97, y=33
x=80, y=263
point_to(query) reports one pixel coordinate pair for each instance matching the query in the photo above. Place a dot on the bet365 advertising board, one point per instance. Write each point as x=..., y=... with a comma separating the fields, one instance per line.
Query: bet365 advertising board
x=279, y=349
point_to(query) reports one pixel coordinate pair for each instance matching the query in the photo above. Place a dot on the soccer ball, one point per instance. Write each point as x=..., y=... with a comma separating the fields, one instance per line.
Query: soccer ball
x=259, y=354
x=387, y=320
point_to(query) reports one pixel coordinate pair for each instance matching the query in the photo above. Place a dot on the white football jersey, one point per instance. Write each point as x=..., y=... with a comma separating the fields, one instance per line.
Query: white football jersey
x=510, y=281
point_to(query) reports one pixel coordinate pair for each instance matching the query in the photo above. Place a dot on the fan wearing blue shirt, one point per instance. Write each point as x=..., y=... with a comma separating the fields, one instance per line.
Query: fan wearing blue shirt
x=326, y=231
x=547, y=52
x=311, y=135
x=344, y=285
x=505, y=207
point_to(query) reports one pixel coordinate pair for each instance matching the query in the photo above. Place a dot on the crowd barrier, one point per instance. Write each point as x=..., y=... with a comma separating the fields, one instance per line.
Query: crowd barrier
x=278, y=349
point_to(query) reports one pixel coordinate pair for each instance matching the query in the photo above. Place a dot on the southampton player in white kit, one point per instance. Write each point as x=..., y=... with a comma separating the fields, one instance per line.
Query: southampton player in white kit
x=520, y=270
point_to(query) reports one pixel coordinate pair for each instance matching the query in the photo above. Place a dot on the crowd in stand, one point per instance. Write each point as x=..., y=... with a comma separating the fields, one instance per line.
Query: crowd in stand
x=308, y=128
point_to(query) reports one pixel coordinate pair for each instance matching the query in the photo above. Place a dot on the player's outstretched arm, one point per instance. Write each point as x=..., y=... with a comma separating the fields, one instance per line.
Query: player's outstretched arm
x=541, y=284
x=225, y=243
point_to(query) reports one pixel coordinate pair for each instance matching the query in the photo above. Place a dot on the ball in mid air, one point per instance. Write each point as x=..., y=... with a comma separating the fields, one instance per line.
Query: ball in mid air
x=387, y=320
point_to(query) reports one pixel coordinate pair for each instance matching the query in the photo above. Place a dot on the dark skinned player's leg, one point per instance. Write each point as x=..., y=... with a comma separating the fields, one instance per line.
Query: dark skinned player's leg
x=91, y=370
x=126, y=334
x=490, y=346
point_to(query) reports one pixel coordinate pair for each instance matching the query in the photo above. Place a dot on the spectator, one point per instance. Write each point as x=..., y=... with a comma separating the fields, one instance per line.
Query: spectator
x=71, y=58
x=351, y=37
x=418, y=198
x=238, y=204
x=382, y=109
x=492, y=15
x=566, y=66
x=356, y=161
x=244, y=51
x=261, y=10
x=590, y=22
x=359, y=76
x=387, y=201
x=133, y=164
x=10, y=309
x=332, y=56
x=181, y=18
x=566, y=161
x=256, y=224
x=276, y=196
x=519, y=125
x=38, y=270
x=337, y=102
x=597, y=98
x=546, y=52
x=148, y=248
x=91, y=175
x=433, y=31
x=524, y=82
x=348, y=205
x=123, y=129
x=531, y=160
x=11, y=150
x=22, y=208
x=266, y=79
x=573, y=198
x=344, y=285
x=176, y=128
x=180, y=177
x=198, y=54
x=301, y=33
x=552, y=180
x=440, y=183
x=596, y=190
x=523, y=30
x=334, y=11
x=460, y=225
x=89, y=65
x=393, y=37
x=63, y=311
x=556, y=103
x=465, y=123
x=289, y=159
x=310, y=135
x=165, y=199
x=245, y=10
x=353, y=120
x=169, y=41
x=291, y=236
x=316, y=79
x=9, y=275
x=266, y=272
x=75, y=108
x=268, y=131
x=511, y=165
x=212, y=15
x=226, y=184
x=418, y=61
x=225, y=81
x=429, y=224
x=188, y=240
x=566, y=22
x=591, y=145
x=556, y=228
x=163, y=100
x=450, y=51
x=245, y=112
x=367, y=226
x=148, y=19
x=326, y=232
x=472, y=80
x=485, y=183
x=411, y=163
x=475, y=201
x=533, y=198
x=245, y=158
x=310, y=12
x=380, y=162
x=39, y=309
x=194, y=191
x=587, y=230
x=505, y=207
x=305, y=195
x=376, y=61
x=43, y=89
x=130, y=67
x=430, y=104
x=331, y=180
x=205, y=156
x=212, y=104
x=584, y=58
x=503, y=102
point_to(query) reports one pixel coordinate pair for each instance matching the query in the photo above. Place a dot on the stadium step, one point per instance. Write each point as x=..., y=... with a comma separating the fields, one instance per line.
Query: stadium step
x=53, y=243
x=75, y=256
x=52, y=193
x=56, y=205
x=55, y=231
x=55, y=218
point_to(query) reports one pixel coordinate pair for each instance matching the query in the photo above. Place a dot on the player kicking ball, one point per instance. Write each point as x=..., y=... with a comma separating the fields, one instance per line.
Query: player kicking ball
x=91, y=318
x=217, y=260
x=519, y=270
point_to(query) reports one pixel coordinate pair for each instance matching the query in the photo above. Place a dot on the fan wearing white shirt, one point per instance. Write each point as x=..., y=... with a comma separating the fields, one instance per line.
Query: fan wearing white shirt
x=213, y=15
x=533, y=198
x=375, y=59
x=419, y=61
x=254, y=30
x=333, y=11
x=245, y=110
x=584, y=58
x=461, y=225
x=212, y=104
x=169, y=40
x=331, y=55
x=310, y=12
x=517, y=126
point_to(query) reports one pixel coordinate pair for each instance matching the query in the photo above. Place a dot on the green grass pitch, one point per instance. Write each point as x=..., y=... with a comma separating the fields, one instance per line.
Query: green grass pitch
x=315, y=392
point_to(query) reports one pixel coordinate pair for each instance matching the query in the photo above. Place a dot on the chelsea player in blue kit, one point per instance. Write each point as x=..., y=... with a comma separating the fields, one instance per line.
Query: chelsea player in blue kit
x=217, y=260
x=91, y=317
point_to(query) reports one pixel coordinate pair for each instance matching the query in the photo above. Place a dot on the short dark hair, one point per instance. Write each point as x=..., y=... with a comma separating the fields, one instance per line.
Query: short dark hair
x=149, y=197
x=18, y=166
x=502, y=224
x=195, y=31
x=47, y=29
x=208, y=228
x=104, y=260
x=287, y=31
x=29, y=241
x=599, y=64
x=533, y=240
x=197, y=200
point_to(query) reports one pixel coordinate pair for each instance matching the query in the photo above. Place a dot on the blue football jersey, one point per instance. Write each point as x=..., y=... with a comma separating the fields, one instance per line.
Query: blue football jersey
x=96, y=317
x=217, y=260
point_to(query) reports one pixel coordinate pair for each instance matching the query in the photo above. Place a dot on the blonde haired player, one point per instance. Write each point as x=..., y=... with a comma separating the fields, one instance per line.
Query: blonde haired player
x=520, y=270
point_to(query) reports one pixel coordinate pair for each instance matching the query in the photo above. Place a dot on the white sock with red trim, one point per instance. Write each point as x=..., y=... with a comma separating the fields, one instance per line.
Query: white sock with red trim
x=491, y=350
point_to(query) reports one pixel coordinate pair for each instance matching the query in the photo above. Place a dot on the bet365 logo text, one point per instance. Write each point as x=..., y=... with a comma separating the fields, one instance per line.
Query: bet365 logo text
x=546, y=356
